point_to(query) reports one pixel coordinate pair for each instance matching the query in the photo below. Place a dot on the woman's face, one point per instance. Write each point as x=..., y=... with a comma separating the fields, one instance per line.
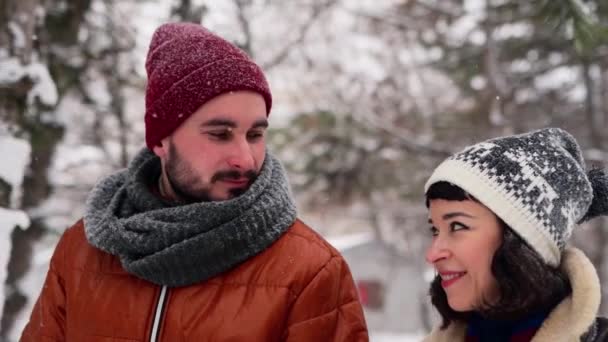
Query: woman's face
x=466, y=235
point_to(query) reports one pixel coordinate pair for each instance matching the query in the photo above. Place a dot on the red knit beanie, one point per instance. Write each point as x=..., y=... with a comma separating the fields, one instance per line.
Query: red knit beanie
x=187, y=65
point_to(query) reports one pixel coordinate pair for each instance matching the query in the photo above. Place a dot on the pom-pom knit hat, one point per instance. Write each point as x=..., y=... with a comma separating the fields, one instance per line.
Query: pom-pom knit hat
x=535, y=182
x=187, y=65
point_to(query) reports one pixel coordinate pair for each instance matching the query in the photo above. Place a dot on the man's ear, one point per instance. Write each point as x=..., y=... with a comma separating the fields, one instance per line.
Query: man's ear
x=161, y=149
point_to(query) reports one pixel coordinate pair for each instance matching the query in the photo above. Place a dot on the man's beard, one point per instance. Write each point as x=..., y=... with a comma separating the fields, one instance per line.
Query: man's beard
x=186, y=184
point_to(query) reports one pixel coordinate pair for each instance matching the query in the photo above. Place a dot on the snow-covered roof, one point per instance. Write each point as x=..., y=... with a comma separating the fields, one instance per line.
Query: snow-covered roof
x=347, y=241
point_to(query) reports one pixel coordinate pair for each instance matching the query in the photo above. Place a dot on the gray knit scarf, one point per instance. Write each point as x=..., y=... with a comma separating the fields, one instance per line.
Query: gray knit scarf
x=182, y=244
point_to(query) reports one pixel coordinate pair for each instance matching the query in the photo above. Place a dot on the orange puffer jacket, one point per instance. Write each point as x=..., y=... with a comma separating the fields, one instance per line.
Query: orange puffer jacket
x=299, y=289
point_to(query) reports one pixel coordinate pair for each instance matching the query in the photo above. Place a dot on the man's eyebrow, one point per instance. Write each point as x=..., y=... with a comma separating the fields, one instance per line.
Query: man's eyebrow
x=262, y=123
x=219, y=122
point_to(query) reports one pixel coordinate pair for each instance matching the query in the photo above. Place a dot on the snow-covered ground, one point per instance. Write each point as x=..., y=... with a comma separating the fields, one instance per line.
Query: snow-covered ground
x=388, y=337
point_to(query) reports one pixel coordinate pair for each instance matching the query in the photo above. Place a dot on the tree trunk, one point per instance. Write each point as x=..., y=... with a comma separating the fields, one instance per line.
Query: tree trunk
x=595, y=121
x=24, y=120
x=185, y=10
x=594, y=115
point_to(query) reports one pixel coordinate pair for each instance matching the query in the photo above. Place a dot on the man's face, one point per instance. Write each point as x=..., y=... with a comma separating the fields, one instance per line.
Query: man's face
x=218, y=151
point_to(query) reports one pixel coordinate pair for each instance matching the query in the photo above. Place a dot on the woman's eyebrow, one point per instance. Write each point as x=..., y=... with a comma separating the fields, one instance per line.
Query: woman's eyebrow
x=456, y=214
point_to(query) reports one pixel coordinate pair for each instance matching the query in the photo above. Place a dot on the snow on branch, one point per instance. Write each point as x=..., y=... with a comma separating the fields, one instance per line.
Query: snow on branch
x=16, y=158
x=43, y=89
x=10, y=219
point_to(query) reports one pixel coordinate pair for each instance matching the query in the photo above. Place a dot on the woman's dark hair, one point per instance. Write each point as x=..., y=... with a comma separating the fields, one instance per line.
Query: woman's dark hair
x=526, y=284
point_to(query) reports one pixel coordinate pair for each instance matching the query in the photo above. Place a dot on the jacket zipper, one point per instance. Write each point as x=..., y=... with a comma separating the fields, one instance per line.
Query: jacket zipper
x=158, y=316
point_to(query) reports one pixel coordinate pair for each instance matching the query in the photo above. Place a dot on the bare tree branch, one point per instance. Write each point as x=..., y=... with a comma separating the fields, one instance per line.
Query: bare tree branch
x=186, y=11
x=242, y=6
x=405, y=138
x=441, y=7
x=400, y=24
x=492, y=67
x=317, y=11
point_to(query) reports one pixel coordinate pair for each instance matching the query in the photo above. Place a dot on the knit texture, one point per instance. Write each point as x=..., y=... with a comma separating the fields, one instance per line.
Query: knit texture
x=179, y=245
x=535, y=182
x=187, y=66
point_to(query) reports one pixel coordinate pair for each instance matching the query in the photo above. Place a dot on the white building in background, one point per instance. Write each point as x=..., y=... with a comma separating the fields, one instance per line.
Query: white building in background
x=392, y=289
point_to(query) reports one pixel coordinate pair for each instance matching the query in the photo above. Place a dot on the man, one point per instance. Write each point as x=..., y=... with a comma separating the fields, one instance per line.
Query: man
x=197, y=240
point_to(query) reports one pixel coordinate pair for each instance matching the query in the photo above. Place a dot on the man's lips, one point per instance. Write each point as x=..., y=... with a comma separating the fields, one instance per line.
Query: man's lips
x=236, y=182
x=234, y=178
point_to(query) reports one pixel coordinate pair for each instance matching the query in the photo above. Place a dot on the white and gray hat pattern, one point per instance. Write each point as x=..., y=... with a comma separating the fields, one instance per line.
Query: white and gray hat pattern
x=535, y=182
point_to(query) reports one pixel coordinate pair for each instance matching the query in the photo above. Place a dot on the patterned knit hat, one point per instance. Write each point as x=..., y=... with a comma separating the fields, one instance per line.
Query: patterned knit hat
x=535, y=182
x=187, y=66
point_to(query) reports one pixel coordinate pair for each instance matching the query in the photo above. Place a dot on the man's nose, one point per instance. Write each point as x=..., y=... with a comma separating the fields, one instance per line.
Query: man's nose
x=241, y=156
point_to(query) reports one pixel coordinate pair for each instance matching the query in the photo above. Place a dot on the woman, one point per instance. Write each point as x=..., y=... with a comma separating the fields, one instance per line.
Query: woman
x=501, y=213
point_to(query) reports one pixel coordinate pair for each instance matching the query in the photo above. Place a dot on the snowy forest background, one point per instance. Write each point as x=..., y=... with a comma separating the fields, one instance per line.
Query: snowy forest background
x=369, y=96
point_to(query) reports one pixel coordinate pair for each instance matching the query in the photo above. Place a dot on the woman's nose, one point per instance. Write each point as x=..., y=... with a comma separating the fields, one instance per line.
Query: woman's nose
x=438, y=250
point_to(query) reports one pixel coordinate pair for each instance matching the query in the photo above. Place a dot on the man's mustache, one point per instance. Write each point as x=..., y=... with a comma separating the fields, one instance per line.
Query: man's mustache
x=234, y=175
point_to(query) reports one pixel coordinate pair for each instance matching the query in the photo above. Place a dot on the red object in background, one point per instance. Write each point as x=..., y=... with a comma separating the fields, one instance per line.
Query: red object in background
x=363, y=293
x=371, y=294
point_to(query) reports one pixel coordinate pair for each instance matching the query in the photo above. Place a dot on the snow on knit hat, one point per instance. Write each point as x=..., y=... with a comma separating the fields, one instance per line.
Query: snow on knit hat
x=187, y=65
x=535, y=182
